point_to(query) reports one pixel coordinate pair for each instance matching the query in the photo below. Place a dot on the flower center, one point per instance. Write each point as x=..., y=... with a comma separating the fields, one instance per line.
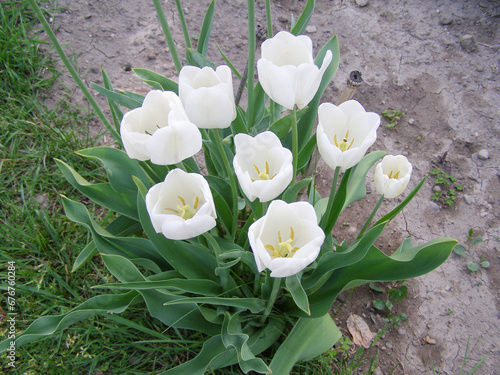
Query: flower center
x=284, y=248
x=263, y=175
x=185, y=210
x=393, y=176
x=344, y=144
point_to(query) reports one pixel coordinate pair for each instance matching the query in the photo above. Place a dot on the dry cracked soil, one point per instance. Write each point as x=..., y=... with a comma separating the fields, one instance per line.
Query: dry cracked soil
x=437, y=61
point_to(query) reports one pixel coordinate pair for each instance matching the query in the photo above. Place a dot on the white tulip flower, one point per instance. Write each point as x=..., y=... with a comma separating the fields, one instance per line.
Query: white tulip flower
x=392, y=175
x=262, y=165
x=208, y=96
x=160, y=130
x=287, y=239
x=345, y=133
x=286, y=69
x=182, y=206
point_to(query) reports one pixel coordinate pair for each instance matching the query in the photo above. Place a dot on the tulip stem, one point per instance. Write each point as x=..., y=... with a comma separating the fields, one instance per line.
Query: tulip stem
x=331, y=199
x=276, y=281
x=183, y=24
x=269, y=19
x=370, y=218
x=72, y=70
x=295, y=143
x=251, y=61
x=232, y=180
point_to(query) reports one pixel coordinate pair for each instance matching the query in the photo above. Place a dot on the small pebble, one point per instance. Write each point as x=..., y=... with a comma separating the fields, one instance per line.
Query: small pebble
x=445, y=20
x=436, y=189
x=483, y=214
x=467, y=199
x=434, y=206
x=483, y=154
x=362, y=3
x=389, y=345
x=311, y=29
x=468, y=43
x=411, y=121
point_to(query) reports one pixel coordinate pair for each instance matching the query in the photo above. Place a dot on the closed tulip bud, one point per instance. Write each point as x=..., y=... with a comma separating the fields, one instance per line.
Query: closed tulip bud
x=392, y=175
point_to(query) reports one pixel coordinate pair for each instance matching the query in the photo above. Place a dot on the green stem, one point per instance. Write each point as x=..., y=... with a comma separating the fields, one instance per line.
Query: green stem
x=183, y=23
x=168, y=35
x=232, y=180
x=269, y=19
x=181, y=165
x=295, y=143
x=224, y=274
x=251, y=61
x=72, y=70
x=331, y=199
x=272, y=297
x=370, y=218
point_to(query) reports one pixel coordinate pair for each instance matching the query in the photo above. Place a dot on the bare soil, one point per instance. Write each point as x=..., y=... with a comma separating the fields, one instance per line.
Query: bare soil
x=436, y=60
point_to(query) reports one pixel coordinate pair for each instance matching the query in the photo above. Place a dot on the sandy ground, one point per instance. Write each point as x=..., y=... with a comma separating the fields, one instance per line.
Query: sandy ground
x=436, y=60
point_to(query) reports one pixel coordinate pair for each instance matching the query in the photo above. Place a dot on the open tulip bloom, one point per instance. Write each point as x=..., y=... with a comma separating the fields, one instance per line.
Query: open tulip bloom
x=201, y=252
x=208, y=96
x=182, y=206
x=160, y=130
x=263, y=166
x=287, y=239
x=345, y=133
x=392, y=175
x=286, y=69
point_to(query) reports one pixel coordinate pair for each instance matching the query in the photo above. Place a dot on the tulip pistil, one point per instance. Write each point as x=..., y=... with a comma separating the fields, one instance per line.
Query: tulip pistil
x=263, y=175
x=185, y=210
x=284, y=249
x=344, y=144
x=395, y=176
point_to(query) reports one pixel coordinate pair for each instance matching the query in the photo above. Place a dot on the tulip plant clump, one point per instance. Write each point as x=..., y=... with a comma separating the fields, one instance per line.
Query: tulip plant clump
x=233, y=252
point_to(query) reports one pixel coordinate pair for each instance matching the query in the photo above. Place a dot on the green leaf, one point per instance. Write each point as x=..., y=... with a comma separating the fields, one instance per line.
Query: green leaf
x=477, y=241
x=379, y=304
x=298, y=294
x=485, y=264
x=195, y=58
x=115, y=110
x=233, y=337
x=203, y=287
x=304, y=18
x=306, y=152
x=473, y=266
x=47, y=325
x=356, y=186
x=290, y=194
x=228, y=63
x=374, y=287
x=119, y=167
x=157, y=81
x=101, y=193
x=255, y=305
x=398, y=294
x=402, y=205
x=376, y=266
x=205, y=30
x=309, y=338
x=118, y=98
x=459, y=250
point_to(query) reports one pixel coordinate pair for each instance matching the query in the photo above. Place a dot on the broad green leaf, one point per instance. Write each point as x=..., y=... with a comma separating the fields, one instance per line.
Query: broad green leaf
x=121, y=226
x=290, y=194
x=239, y=123
x=233, y=337
x=298, y=294
x=407, y=244
x=309, y=338
x=330, y=218
x=156, y=80
x=47, y=325
x=122, y=268
x=205, y=30
x=118, y=98
x=306, y=152
x=119, y=168
x=203, y=287
x=356, y=186
x=195, y=58
x=376, y=266
x=101, y=193
x=304, y=18
x=255, y=305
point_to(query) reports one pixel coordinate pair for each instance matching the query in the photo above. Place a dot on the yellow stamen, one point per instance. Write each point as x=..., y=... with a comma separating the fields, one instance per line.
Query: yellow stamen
x=182, y=200
x=196, y=202
x=175, y=211
x=395, y=176
x=263, y=175
x=344, y=145
x=284, y=249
